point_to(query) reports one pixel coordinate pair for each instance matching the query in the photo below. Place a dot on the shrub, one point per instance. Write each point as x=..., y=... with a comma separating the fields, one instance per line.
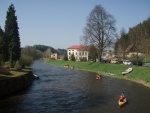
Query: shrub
x=139, y=63
x=72, y=58
x=25, y=60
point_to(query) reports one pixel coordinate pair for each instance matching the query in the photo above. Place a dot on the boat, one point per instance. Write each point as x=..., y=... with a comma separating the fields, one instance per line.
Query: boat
x=121, y=103
x=98, y=77
x=112, y=74
x=35, y=76
x=127, y=71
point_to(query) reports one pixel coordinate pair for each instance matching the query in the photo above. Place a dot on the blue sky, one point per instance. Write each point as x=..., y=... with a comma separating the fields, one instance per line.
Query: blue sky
x=60, y=23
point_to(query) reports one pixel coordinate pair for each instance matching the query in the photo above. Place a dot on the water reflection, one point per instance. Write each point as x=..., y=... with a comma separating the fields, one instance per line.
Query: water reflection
x=61, y=90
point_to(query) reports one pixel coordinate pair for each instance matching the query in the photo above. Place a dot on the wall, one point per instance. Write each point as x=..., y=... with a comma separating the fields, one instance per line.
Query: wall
x=13, y=84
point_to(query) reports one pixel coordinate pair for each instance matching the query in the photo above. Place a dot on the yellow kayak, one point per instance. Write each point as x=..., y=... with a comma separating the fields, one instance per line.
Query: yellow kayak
x=97, y=78
x=121, y=103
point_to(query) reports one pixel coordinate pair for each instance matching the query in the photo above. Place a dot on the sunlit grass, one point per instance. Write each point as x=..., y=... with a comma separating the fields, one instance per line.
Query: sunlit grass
x=14, y=73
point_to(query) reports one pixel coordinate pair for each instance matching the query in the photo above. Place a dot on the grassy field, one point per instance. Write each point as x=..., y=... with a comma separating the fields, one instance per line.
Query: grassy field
x=139, y=74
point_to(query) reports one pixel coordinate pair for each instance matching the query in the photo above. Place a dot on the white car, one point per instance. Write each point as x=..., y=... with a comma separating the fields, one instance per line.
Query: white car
x=127, y=62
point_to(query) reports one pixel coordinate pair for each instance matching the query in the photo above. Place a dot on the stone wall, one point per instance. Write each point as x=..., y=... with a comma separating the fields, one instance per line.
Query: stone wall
x=13, y=84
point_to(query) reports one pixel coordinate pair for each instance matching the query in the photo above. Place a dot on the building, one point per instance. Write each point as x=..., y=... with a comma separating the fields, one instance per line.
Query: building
x=79, y=52
x=54, y=56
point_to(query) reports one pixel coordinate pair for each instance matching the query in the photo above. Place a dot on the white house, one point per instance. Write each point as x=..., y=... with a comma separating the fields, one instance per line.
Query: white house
x=79, y=52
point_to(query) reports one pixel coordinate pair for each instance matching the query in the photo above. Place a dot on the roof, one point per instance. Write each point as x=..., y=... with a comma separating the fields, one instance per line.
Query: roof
x=78, y=47
x=75, y=47
x=129, y=47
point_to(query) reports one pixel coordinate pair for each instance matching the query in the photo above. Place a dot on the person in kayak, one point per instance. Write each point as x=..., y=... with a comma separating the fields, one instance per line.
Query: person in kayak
x=122, y=96
x=98, y=76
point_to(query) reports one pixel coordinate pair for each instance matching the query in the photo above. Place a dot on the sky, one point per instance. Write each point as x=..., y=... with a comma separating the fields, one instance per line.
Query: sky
x=60, y=23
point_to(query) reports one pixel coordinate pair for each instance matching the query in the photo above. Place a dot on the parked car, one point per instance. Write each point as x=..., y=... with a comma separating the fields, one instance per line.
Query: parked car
x=127, y=62
x=146, y=64
x=114, y=61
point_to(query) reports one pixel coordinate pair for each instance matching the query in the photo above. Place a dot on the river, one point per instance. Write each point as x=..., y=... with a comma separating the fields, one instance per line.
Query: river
x=64, y=90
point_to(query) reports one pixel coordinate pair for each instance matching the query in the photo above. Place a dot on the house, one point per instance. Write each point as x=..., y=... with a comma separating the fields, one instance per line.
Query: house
x=130, y=51
x=79, y=52
x=54, y=56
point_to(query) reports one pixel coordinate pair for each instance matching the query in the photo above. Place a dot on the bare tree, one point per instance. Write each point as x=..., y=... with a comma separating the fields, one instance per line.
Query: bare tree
x=100, y=30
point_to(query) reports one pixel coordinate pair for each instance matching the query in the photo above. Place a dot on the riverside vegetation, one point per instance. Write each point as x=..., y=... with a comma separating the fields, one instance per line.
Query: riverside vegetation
x=139, y=74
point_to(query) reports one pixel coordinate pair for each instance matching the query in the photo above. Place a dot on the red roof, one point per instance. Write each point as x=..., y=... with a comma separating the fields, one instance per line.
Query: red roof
x=75, y=47
x=78, y=47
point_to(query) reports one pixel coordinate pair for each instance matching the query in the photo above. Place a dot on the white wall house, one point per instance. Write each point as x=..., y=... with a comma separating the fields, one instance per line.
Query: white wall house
x=79, y=52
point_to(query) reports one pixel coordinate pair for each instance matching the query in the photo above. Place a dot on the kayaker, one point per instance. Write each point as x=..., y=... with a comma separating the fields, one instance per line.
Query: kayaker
x=121, y=98
x=99, y=76
x=123, y=95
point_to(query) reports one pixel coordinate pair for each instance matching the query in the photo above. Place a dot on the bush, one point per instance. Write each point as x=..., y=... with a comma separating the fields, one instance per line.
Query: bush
x=66, y=58
x=139, y=63
x=72, y=58
x=25, y=60
x=83, y=59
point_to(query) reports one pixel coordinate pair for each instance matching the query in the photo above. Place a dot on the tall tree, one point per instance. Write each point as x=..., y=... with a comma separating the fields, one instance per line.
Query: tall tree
x=11, y=30
x=3, y=47
x=100, y=29
x=124, y=42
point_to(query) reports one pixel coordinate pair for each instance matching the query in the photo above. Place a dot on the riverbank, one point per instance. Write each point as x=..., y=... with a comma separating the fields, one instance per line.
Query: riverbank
x=139, y=74
x=15, y=81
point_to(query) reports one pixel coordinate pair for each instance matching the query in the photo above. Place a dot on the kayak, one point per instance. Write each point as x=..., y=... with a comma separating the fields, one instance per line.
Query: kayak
x=97, y=78
x=121, y=103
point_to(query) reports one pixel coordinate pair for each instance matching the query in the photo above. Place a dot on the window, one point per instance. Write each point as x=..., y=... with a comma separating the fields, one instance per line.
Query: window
x=82, y=53
x=85, y=53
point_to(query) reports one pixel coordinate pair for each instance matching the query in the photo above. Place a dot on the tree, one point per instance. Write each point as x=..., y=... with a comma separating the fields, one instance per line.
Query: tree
x=92, y=53
x=12, y=33
x=3, y=47
x=124, y=42
x=100, y=30
x=47, y=53
x=72, y=58
x=32, y=52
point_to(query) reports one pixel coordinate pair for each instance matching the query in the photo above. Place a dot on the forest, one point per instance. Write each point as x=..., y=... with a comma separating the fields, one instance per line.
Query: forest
x=136, y=40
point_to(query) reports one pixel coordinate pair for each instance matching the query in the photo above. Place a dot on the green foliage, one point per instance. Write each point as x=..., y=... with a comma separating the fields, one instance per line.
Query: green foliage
x=32, y=52
x=12, y=33
x=3, y=47
x=66, y=57
x=24, y=61
x=83, y=59
x=92, y=53
x=72, y=58
x=44, y=48
x=139, y=36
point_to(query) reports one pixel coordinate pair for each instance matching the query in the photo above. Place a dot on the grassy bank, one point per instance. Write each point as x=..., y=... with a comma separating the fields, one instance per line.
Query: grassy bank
x=14, y=73
x=139, y=74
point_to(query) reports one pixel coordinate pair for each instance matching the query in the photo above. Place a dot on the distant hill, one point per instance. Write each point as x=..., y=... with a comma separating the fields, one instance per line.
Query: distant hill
x=43, y=48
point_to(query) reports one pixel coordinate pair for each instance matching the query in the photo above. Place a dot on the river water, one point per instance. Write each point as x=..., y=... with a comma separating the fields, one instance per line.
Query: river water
x=64, y=90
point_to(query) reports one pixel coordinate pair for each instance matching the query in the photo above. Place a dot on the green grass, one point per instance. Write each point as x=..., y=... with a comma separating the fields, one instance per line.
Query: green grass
x=139, y=74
